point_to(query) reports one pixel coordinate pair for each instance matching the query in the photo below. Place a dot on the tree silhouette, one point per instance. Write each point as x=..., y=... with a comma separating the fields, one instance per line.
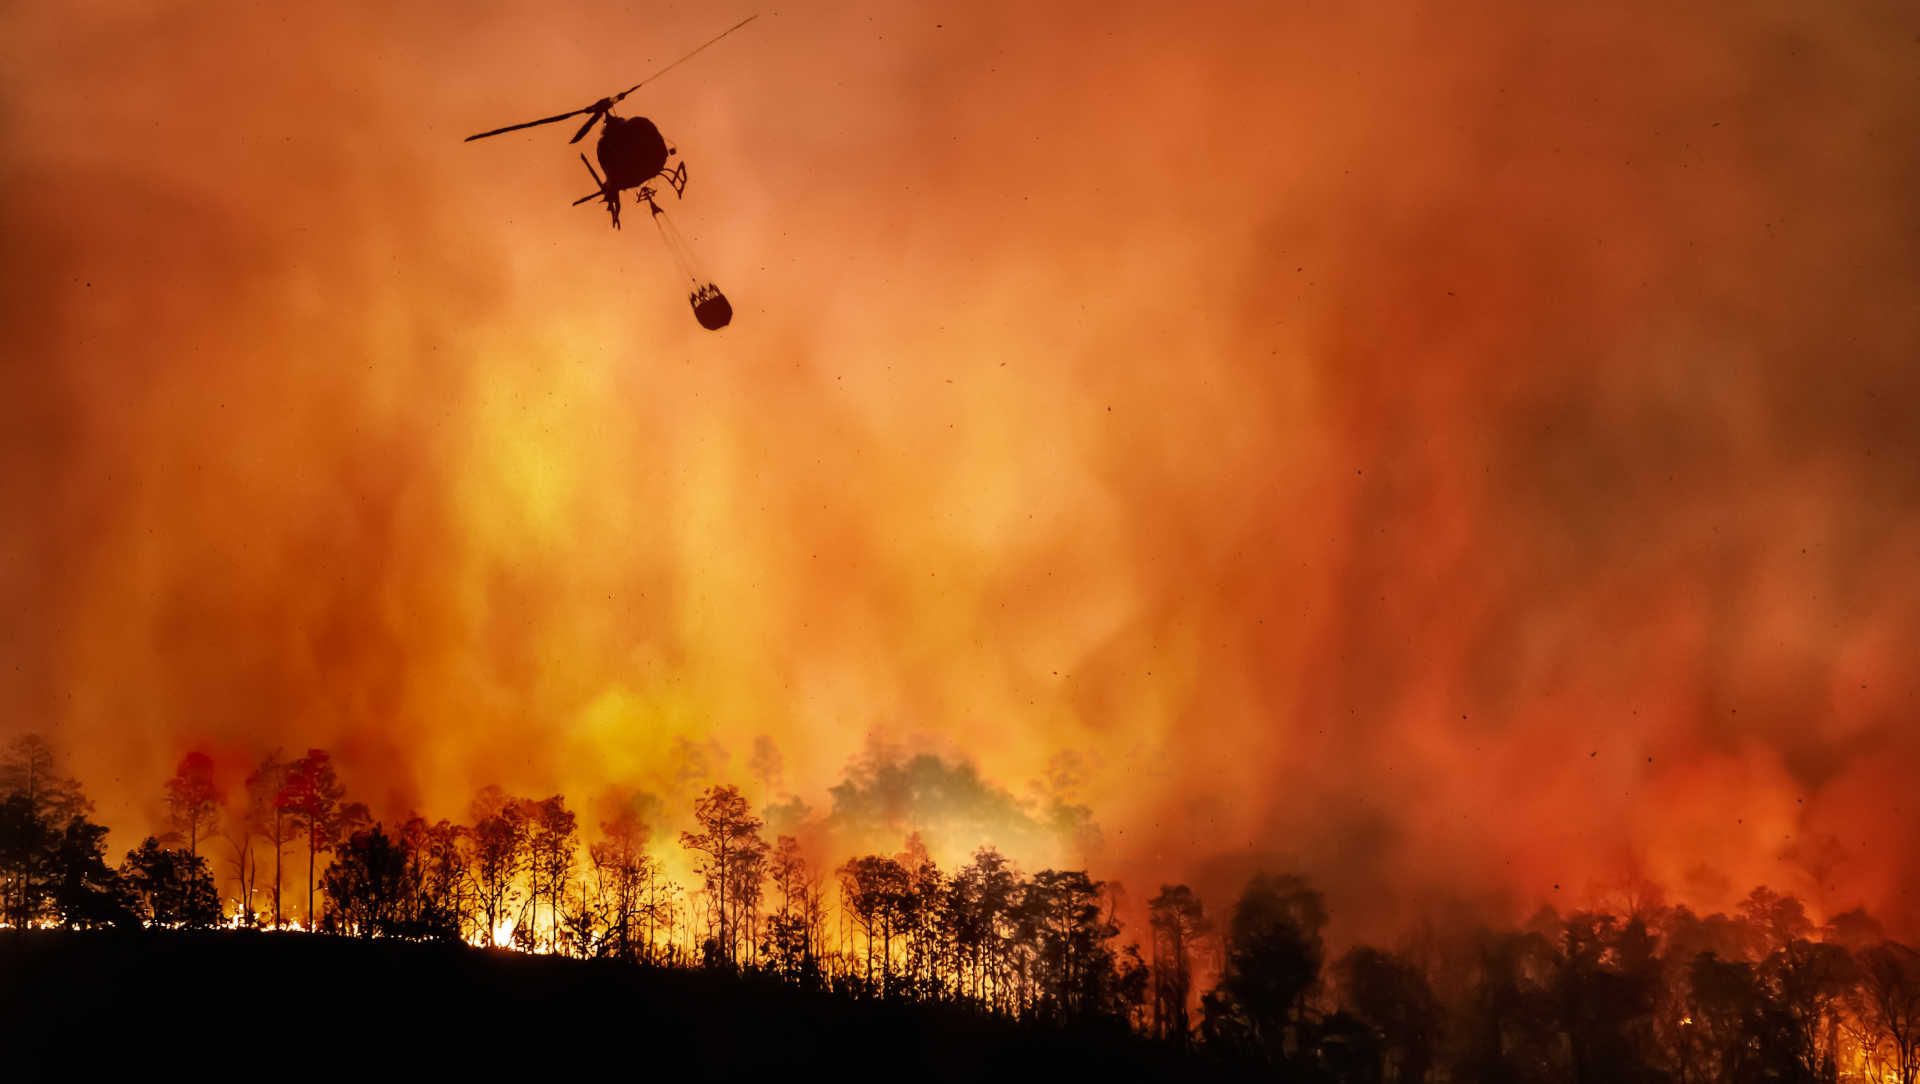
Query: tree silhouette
x=498, y=834
x=981, y=904
x=1605, y=985
x=1273, y=956
x=437, y=877
x=729, y=837
x=1660, y=996
x=621, y=869
x=31, y=769
x=1074, y=969
x=43, y=831
x=173, y=887
x=550, y=839
x=789, y=943
x=268, y=817
x=873, y=889
x=87, y=891
x=369, y=885
x=922, y=919
x=26, y=847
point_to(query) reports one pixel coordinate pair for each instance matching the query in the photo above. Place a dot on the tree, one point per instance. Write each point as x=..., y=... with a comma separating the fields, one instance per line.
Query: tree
x=498, y=832
x=1772, y=921
x=744, y=887
x=173, y=888
x=311, y=794
x=621, y=869
x=789, y=942
x=1177, y=922
x=237, y=830
x=729, y=835
x=1886, y=1005
x=928, y=948
x=1273, y=956
x=1804, y=982
x=437, y=862
x=193, y=801
x=1725, y=1006
x=873, y=890
x=1074, y=968
x=31, y=769
x=269, y=818
x=86, y=891
x=1605, y=984
x=550, y=840
x=369, y=885
x=980, y=904
x=38, y=804
x=26, y=852
x=1391, y=996
x=1507, y=1020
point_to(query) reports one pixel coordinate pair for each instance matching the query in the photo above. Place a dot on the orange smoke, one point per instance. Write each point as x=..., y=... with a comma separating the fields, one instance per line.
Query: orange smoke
x=1466, y=454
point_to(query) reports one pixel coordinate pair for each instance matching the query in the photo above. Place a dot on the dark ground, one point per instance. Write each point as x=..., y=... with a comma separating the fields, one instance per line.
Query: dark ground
x=238, y=1005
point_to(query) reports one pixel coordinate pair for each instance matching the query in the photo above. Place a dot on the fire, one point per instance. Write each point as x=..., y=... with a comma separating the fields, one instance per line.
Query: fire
x=1420, y=457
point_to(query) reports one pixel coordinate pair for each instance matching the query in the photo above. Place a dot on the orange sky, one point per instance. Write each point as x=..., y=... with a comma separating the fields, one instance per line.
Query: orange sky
x=1454, y=450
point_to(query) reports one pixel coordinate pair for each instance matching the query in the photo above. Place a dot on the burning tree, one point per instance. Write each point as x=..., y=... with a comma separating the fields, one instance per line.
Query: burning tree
x=1886, y=1006
x=437, y=861
x=498, y=835
x=310, y=794
x=266, y=817
x=1177, y=923
x=621, y=870
x=193, y=801
x=550, y=839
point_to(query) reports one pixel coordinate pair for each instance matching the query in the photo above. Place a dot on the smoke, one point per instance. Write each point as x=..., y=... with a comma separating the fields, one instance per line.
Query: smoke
x=1466, y=454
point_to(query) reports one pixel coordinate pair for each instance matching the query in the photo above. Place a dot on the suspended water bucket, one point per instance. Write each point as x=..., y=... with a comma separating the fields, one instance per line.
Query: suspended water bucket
x=711, y=307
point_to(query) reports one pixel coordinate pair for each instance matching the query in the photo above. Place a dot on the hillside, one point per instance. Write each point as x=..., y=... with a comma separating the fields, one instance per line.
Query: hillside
x=83, y=1003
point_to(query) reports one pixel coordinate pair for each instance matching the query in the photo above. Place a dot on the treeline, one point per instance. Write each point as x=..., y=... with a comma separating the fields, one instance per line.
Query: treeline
x=1655, y=994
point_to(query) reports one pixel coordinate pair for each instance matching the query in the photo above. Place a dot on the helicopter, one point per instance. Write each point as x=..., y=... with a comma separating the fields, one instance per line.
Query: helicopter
x=634, y=155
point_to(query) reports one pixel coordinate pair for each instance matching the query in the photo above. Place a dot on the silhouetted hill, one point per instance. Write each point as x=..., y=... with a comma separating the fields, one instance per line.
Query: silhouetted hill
x=81, y=1004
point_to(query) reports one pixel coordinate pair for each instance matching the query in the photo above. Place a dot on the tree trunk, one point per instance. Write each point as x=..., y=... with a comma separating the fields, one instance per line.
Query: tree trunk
x=279, y=845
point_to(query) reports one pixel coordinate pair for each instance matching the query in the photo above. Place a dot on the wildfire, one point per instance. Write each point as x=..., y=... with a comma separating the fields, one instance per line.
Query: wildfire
x=1431, y=447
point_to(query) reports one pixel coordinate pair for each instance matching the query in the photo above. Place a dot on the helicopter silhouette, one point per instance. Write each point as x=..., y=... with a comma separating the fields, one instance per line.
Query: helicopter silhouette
x=634, y=155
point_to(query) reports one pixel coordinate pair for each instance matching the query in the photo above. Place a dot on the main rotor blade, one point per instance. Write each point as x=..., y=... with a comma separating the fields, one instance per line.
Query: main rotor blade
x=577, y=136
x=528, y=124
x=686, y=58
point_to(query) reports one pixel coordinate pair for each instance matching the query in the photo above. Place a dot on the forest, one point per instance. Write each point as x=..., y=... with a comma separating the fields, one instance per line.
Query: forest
x=1246, y=988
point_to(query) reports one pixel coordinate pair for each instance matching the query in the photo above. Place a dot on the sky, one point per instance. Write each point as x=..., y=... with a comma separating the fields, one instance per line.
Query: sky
x=1468, y=453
